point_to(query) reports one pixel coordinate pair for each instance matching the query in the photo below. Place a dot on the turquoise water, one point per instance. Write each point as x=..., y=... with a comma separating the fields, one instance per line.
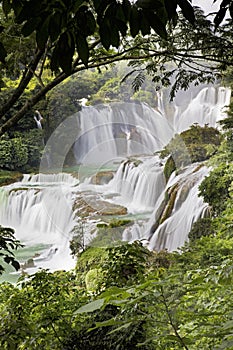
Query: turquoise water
x=22, y=255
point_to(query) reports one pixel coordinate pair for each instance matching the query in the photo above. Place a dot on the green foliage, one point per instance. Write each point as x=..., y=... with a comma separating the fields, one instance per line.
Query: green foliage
x=215, y=187
x=148, y=300
x=125, y=264
x=8, y=177
x=13, y=154
x=200, y=228
x=69, y=30
x=193, y=145
x=8, y=243
x=21, y=151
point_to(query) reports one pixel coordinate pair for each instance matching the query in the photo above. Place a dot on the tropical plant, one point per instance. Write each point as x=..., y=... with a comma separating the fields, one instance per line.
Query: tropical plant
x=8, y=243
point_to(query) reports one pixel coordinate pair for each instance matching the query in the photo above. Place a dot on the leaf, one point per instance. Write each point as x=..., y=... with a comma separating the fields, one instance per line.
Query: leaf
x=92, y=306
x=114, y=37
x=3, y=53
x=145, y=25
x=187, y=10
x=156, y=24
x=66, y=52
x=42, y=33
x=134, y=21
x=108, y=323
x=126, y=6
x=124, y=326
x=82, y=48
x=219, y=17
x=171, y=8
x=105, y=35
x=55, y=26
x=90, y=22
x=15, y=264
x=231, y=10
x=6, y=6
x=29, y=27
x=27, y=11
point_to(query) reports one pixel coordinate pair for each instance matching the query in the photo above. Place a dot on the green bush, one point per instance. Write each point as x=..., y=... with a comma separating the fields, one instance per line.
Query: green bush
x=215, y=187
x=193, y=145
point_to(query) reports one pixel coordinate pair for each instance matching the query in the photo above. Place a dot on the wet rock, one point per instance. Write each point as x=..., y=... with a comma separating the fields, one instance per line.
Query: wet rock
x=102, y=177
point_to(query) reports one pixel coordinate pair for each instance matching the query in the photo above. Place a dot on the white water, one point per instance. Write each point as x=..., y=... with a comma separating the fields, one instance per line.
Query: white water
x=139, y=185
x=208, y=107
x=50, y=179
x=188, y=208
x=120, y=129
x=125, y=129
x=41, y=214
x=40, y=206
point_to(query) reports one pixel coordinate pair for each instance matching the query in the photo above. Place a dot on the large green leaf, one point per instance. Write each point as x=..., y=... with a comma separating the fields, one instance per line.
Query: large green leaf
x=29, y=27
x=42, y=33
x=3, y=53
x=92, y=306
x=55, y=25
x=82, y=48
x=187, y=10
x=66, y=52
x=134, y=21
x=105, y=33
x=114, y=37
x=156, y=23
x=171, y=6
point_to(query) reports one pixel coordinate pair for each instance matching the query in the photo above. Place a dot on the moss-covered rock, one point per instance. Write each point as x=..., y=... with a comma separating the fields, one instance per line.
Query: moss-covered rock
x=90, y=259
x=172, y=193
x=193, y=145
x=110, y=234
x=8, y=177
x=90, y=204
x=169, y=167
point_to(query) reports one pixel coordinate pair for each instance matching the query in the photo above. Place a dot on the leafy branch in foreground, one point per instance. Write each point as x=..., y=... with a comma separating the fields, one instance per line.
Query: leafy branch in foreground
x=8, y=243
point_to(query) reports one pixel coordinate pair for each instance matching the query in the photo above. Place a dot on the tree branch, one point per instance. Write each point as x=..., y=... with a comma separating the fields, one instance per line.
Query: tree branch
x=23, y=83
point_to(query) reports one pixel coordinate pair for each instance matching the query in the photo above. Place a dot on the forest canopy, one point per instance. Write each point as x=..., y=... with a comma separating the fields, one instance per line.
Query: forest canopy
x=44, y=42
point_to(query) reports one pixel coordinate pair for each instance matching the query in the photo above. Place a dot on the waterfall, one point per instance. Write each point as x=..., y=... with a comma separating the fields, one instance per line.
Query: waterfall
x=206, y=108
x=171, y=232
x=41, y=214
x=39, y=207
x=139, y=183
x=50, y=178
x=120, y=129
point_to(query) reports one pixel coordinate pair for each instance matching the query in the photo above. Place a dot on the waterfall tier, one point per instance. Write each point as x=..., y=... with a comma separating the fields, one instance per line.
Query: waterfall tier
x=206, y=108
x=41, y=214
x=177, y=209
x=139, y=183
x=126, y=129
x=120, y=129
x=49, y=178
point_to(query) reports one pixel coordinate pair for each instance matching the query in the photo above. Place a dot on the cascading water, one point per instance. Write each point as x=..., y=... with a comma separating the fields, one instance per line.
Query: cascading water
x=139, y=183
x=183, y=208
x=122, y=129
x=40, y=206
x=207, y=107
x=40, y=210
